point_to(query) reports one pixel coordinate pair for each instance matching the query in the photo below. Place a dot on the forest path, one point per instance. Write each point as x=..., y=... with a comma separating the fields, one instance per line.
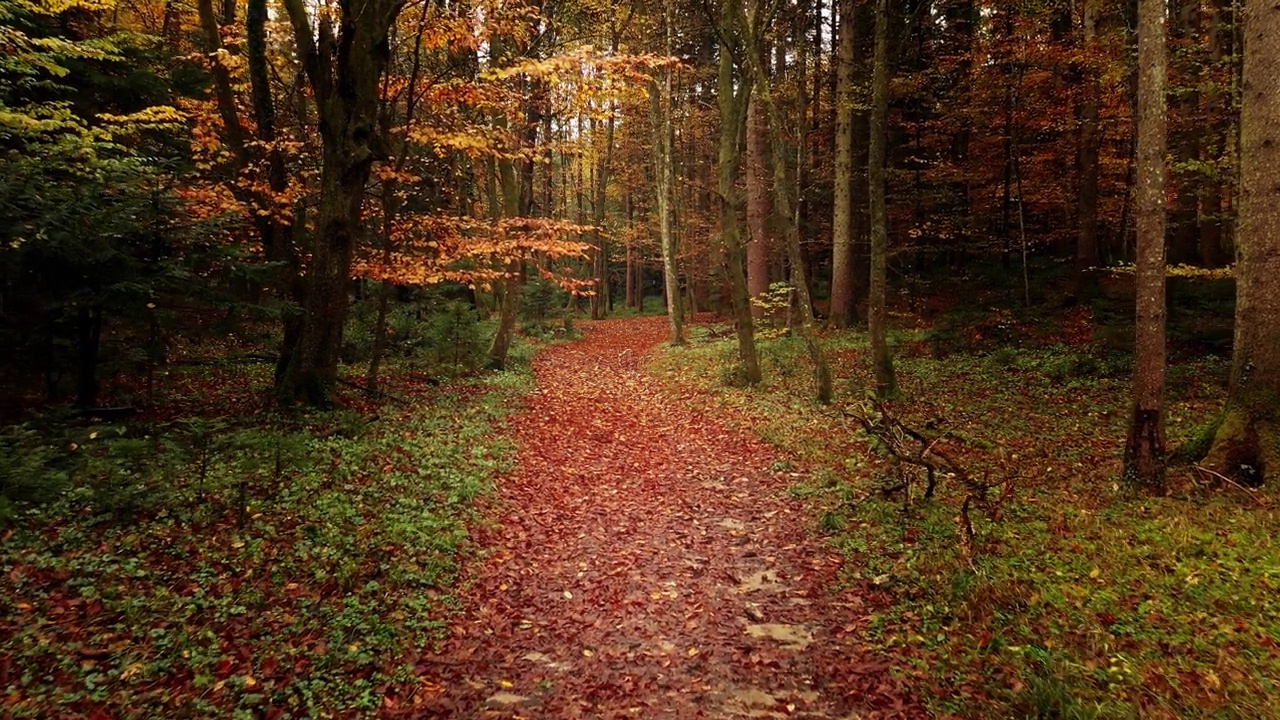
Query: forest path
x=648, y=563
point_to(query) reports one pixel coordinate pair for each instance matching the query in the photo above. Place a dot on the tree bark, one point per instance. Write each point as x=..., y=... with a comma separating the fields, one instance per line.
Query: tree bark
x=601, y=301
x=1247, y=444
x=343, y=62
x=1144, y=456
x=660, y=112
x=881, y=360
x=732, y=105
x=759, y=208
x=842, y=266
x=782, y=203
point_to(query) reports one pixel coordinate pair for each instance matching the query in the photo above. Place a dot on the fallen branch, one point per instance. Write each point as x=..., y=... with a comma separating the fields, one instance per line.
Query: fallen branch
x=245, y=358
x=1253, y=494
x=914, y=447
x=373, y=393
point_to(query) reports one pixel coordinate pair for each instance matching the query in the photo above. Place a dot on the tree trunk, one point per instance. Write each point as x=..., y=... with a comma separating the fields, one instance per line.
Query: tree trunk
x=759, y=208
x=1144, y=456
x=842, y=267
x=882, y=362
x=344, y=67
x=660, y=113
x=782, y=203
x=507, y=291
x=600, y=306
x=88, y=342
x=733, y=111
x=1247, y=445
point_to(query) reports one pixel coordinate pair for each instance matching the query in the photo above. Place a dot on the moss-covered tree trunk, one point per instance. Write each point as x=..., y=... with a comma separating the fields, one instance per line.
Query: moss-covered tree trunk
x=1144, y=455
x=732, y=103
x=1247, y=445
x=782, y=204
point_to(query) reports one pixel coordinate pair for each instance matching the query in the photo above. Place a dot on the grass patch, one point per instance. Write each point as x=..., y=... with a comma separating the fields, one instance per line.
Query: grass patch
x=1082, y=600
x=246, y=568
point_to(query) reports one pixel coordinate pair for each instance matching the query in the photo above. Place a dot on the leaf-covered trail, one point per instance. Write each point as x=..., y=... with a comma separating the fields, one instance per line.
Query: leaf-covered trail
x=648, y=562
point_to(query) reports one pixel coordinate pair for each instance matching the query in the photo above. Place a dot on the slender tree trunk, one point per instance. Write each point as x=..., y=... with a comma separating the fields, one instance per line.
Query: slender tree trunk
x=602, y=195
x=1144, y=456
x=842, y=266
x=1247, y=445
x=517, y=202
x=733, y=111
x=882, y=362
x=782, y=203
x=661, y=108
x=88, y=343
x=507, y=290
x=759, y=207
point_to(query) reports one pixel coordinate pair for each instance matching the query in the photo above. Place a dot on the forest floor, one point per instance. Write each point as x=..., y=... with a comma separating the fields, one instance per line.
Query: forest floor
x=650, y=562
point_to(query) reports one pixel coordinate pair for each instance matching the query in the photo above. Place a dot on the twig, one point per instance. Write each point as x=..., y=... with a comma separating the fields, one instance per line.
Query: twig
x=1253, y=494
x=375, y=393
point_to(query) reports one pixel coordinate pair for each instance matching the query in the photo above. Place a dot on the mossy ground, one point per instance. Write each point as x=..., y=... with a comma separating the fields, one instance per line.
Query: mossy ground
x=1081, y=599
x=238, y=564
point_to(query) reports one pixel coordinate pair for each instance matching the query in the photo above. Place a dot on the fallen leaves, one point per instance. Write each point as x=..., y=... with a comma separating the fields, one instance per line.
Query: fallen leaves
x=635, y=526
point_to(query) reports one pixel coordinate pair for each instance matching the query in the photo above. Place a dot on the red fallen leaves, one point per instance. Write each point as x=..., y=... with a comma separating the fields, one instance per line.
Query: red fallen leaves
x=646, y=563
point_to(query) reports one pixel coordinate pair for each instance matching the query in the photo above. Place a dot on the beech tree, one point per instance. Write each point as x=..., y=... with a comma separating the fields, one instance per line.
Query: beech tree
x=1144, y=455
x=842, y=269
x=1247, y=443
x=343, y=56
x=660, y=111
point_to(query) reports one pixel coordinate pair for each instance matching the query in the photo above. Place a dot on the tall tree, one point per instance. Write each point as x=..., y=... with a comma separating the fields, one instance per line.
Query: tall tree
x=1247, y=444
x=759, y=206
x=274, y=224
x=782, y=203
x=343, y=58
x=882, y=362
x=842, y=201
x=1144, y=456
x=732, y=99
x=660, y=113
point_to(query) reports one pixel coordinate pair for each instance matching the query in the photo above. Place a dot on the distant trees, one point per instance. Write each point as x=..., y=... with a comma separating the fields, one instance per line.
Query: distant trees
x=881, y=360
x=422, y=143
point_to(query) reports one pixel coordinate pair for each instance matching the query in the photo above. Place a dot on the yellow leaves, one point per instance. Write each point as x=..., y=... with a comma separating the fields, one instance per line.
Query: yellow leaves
x=152, y=118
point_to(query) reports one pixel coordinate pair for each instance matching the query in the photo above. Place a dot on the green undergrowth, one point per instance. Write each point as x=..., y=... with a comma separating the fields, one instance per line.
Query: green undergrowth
x=1078, y=599
x=244, y=567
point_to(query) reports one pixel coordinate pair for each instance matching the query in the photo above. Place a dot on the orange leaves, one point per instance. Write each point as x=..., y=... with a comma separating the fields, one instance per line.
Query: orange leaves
x=432, y=249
